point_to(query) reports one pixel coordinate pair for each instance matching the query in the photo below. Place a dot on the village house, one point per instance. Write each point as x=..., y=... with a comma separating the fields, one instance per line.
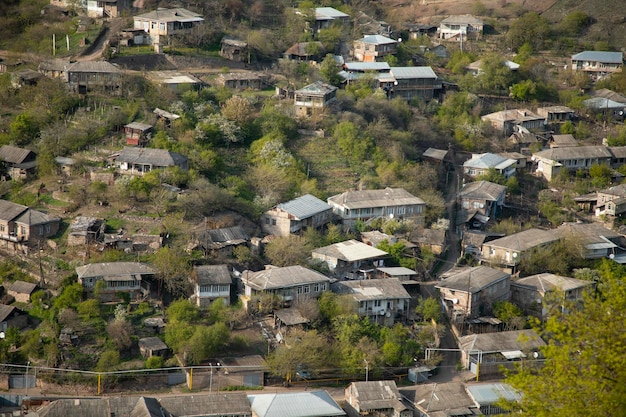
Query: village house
x=550, y=162
x=398, y=203
x=138, y=161
x=373, y=48
x=482, y=197
x=11, y=316
x=480, y=164
x=598, y=64
x=470, y=292
x=384, y=301
x=289, y=283
x=530, y=293
x=235, y=49
x=305, y=51
x=433, y=239
x=165, y=117
x=448, y=399
x=461, y=27
x=296, y=216
x=416, y=30
x=473, y=240
x=86, y=76
x=152, y=346
x=217, y=242
x=486, y=353
x=412, y=83
x=314, y=98
x=508, y=121
x=489, y=397
x=137, y=134
x=106, y=8
x=176, y=81
x=210, y=282
x=159, y=25
x=594, y=241
x=439, y=156
x=288, y=319
x=476, y=67
x=562, y=141
x=242, y=80
x=600, y=107
x=350, y=259
x=19, y=163
x=54, y=68
x=556, y=114
x=376, y=398
x=126, y=277
x=21, y=291
x=295, y=404
x=327, y=16
x=507, y=252
x=21, y=226
x=610, y=201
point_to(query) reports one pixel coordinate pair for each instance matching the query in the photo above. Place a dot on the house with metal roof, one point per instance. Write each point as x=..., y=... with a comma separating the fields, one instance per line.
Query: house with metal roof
x=476, y=67
x=85, y=76
x=598, y=63
x=371, y=48
x=11, y=316
x=529, y=293
x=210, y=282
x=18, y=162
x=482, y=197
x=508, y=121
x=350, y=259
x=384, y=301
x=235, y=49
x=21, y=226
x=413, y=82
x=217, y=242
x=295, y=404
x=606, y=107
x=21, y=290
x=296, y=216
x=556, y=114
x=480, y=164
x=486, y=353
x=446, y=399
x=117, y=277
x=289, y=283
x=488, y=397
x=550, y=162
x=594, y=240
x=508, y=251
x=138, y=161
x=380, y=398
x=470, y=292
x=162, y=23
x=174, y=80
x=368, y=204
x=314, y=98
x=137, y=134
x=103, y=8
x=152, y=346
x=327, y=16
x=461, y=27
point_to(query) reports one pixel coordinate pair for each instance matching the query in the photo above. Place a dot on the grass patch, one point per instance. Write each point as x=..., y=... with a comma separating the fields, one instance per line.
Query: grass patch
x=115, y=224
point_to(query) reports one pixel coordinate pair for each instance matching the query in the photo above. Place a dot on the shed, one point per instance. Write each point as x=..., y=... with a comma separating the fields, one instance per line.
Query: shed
x=22, y=290
x=152, y=346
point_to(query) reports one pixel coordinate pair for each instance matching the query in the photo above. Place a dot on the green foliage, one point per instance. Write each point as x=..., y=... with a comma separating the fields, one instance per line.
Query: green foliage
x=109, y=360
x=567, y=128
x=508, y=312
x=600, y=175
x=459, y=61
x=330, y=71
x=154, y=362
x=89, y=308
x=429, y=309
x=70, y=297
x=558, y=258
x=575, y=22
x=492, y=175
x=182, y=311
x=205, y=343
x=585, y=357
x=531, y=28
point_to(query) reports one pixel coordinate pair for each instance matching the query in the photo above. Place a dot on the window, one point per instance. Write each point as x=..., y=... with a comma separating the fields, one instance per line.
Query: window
x=40, y=230
x=2, y=228
x=267, y=220
x=307, y=289
x=273, y=222
x=23, y=230
x=299, y=290
x=161, y=26
x=400, y=210
x=376, y=303
x=316, y=288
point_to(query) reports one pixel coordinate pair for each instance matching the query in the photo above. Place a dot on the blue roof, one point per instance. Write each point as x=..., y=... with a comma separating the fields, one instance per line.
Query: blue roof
x=485, y=394
x=328, y=13
x=600, y=56
x=304, y=206
x=296, y=404
x=413, y=72
x=367, y=66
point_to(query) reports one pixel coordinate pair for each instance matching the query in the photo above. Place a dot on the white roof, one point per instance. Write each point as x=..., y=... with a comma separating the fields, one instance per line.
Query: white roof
x=413, y=72
x=328, y=13
x=350, y=251
x=304, y=206
x=295, y=404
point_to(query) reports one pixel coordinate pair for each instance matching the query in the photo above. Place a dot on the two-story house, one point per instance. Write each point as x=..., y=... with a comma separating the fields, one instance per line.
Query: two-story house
x=598, y=64
x=137, y=134
x=289, y=283
x=19, y=162
x=372, y=48
x=508, y=121
x=529, y=293
x=126, y=277
x=314, y=98
x=376, y=398
x=483, y=197
x=594, y=241
x=384, y=301
x=86, y=76
x=162, y=23
x=508, y=251
x=327, y=16
x=611, y=201
x=106, y=8
x=210, y=282
x=470, y=292
x=21, y=227
x=461, y=27
x=138, y=161
x=480, y=164
x=551, y=161
x=413, y=82
x=296, y=216
x=350, y=259
x=398, y=203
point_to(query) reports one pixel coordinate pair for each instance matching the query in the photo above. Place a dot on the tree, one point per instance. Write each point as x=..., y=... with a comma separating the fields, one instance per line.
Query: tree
x=287, y=251
x=510, y=314
x=329, y=70
x=205, y=342
x=429, y=309
x=108, y=361
x=173, y=270
x=305, y=350
x=531, y=28
x=585, y=357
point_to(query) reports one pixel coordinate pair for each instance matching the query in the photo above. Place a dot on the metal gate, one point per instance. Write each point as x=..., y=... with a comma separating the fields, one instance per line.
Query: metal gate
x=22, y=381
x=176, y=378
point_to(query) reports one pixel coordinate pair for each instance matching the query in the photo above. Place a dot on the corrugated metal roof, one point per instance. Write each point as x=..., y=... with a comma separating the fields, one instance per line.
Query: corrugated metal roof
x=488, y=160
x=304, y=206
x=367, y=66
x=285, y=277
x=599, y=56
x=525, y=240
x=526, y=340
x=212, y=274
x=389, y=197
x=462, y=19
x=545, y=282
x=113, y=268
x=94, y=66
x=377, y=40
x=575, y=152
x=412, y=72
x=170, y=15
x=15, y=155
x=329, y=13
x=439, y=397
x=473, y=279
x=317, y=87
x=485, y=394
x=396, y=270
x=156, y=157
x=22, y=287
x=373, y=289
x=10, y=210
x=484, y=190
x=350, y=251
x=296, y=404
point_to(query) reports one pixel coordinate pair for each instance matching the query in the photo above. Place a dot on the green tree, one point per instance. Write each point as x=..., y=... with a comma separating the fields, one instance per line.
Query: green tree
x=585, y=357
x=154, y=362
x=600, y=175
x=492, y=175
x=70, y=297
x=509, y=313
x=205, y=342
x=173, y=270
x=182, y=311
x=305, y=350
x=287, y=251
x=429, y=309
x=329, y=70
x=531, y=28
x=109, y=360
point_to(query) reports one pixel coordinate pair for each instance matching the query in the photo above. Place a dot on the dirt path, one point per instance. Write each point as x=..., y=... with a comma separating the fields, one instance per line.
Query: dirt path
x=111, y=28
